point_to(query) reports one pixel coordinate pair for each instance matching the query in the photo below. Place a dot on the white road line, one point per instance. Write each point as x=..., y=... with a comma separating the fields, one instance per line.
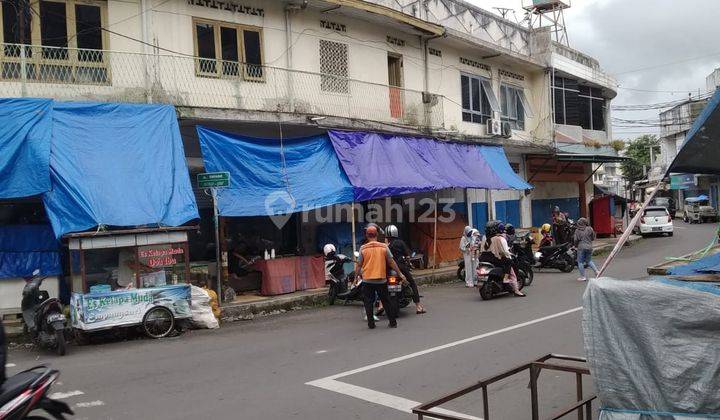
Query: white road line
x=331, y=383
x=453, y=344
x=10, y=365
x=97, y=403
x=63, y=395
x=376, y=397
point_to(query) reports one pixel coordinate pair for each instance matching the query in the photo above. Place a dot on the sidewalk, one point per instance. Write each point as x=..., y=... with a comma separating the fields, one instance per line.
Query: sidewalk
x=605, y=245
x=247, y=307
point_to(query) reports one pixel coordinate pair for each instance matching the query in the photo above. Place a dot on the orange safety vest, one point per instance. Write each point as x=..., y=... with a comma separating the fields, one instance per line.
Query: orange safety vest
x=374, y=261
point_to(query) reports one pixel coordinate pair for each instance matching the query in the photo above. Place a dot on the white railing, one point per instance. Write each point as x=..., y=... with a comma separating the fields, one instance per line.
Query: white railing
x=186, y=81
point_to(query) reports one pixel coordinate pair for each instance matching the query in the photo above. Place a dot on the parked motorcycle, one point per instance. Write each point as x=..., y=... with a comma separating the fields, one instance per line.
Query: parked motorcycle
x=27, y=391
x=43, y=316
x=400, y=291
x=340, y=285
x=490, y=281
x=561, y=257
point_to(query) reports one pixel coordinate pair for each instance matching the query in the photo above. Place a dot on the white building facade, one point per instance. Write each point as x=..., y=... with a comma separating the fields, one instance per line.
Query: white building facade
x=433, y=68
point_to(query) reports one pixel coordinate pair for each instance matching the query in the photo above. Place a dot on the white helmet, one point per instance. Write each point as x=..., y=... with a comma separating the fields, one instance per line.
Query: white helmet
x=328, y=248
x=391, y=231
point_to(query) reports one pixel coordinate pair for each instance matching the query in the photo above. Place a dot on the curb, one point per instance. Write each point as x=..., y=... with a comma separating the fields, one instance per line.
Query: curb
x=282, y=304
x=603, y=249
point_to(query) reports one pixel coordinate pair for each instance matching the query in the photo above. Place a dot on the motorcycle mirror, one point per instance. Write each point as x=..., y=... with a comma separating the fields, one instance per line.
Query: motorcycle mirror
x=36, y=272
x=357, y=254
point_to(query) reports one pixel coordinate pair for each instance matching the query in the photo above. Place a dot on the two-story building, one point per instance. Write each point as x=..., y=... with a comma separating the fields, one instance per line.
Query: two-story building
x=274, y=68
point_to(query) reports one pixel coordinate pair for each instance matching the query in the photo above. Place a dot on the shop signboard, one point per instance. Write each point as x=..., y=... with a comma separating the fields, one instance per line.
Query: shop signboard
x=213, y=180
x=682, y=181
x=94, y=311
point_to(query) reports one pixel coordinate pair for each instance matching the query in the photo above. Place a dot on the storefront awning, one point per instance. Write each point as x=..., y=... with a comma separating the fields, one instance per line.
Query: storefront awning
x=118, y=165
x=25, y=130
x=382, y=165
x=272, y=176
x=700, y=153
x=589, y=154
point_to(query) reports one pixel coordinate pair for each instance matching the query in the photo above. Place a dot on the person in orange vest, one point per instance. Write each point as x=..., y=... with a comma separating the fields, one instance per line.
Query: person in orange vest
x=372, y=266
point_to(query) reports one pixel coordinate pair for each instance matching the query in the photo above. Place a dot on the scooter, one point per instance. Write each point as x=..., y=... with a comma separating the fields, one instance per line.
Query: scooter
x=340, y=285
x=561, y=257
x=522, y=248
x=490, y=281
x=43, y=316
x=400, y=291
x=27, y=391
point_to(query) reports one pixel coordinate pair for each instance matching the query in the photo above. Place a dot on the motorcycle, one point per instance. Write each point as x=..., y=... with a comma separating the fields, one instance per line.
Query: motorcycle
x=561, y=257
x=490, y=281
x=522, y=248
x=400, y=291
x=27, y=391
x=43, y=316
x=340, y=285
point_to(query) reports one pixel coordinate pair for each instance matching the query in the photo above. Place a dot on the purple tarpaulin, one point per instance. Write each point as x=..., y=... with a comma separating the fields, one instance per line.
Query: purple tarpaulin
x=382, y=165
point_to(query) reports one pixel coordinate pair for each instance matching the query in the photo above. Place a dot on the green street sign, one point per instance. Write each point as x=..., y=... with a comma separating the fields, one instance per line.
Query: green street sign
x=213, y=180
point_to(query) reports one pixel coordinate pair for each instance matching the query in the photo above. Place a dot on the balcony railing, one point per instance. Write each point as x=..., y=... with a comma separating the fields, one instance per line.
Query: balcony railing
x=101, y=75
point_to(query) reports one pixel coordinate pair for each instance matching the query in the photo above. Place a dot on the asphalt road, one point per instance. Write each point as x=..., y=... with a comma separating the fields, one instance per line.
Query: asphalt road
x=261, y=369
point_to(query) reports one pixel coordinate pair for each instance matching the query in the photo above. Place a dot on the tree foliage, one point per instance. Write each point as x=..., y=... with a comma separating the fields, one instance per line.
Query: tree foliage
x=638, y=151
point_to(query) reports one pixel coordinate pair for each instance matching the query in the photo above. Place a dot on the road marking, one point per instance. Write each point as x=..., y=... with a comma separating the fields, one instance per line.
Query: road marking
x=97, y=403
x=10, y=365
x=321, y=352
x=331, y=382
x=63, y=395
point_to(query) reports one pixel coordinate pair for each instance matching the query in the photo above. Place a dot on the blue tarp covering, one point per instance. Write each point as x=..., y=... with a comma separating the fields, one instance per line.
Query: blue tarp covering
x=708, y=264
x=24, y=248
x=338, y=234
x=118, y=165
x=25, y=128
x=382, y=165
x=264, y=181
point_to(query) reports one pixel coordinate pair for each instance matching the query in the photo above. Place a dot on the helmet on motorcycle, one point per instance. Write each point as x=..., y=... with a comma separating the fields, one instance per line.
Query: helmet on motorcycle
x=391, y=231
x=491, y=228
x=510, y=229
x=328, y=249
x=545, y=228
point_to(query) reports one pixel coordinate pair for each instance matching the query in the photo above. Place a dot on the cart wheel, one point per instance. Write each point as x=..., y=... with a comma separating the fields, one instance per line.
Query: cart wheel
x=158, y=322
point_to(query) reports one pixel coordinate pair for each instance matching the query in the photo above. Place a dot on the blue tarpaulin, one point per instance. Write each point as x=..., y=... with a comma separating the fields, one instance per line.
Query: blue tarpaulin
x=272, y=177
x=24, y=248
x=708, y=264
x=381, y=165
x=25, y=128
x=119, y=165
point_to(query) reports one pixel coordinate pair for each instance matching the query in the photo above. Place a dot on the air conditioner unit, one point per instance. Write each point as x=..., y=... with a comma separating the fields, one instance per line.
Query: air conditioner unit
x=506, y=130
x=494, y=127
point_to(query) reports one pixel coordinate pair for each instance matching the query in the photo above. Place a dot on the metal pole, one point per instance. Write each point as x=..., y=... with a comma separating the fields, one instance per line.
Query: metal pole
x=352, y=221
x=218, y=263
x=435, y=233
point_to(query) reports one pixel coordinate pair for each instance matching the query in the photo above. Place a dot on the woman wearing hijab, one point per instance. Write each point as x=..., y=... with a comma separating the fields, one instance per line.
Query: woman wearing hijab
x=465, y=243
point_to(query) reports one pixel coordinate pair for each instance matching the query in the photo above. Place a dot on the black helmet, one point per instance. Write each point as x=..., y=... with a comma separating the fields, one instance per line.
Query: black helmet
x=509, y=229
x=492, y=228
x=391, y=231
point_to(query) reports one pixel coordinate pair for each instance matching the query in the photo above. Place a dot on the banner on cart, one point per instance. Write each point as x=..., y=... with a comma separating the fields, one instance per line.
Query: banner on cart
x=93, y=311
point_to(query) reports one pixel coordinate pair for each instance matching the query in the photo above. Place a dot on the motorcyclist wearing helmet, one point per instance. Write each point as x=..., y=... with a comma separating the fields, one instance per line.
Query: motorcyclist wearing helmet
x=497, y=252
x=559, y=220
x=335, y=270
x=547, y=238
x=465, y=242
x=510, y=234
x=373, y=266
x=401, y=254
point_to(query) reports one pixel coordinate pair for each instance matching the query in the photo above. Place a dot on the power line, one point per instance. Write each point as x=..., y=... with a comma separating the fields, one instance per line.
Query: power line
x=671, y=63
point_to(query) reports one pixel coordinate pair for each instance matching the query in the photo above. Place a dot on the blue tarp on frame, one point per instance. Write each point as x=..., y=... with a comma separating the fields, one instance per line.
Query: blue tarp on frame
x=24, y=248
x=25, y=129
x=119, y=165
x=265, y=181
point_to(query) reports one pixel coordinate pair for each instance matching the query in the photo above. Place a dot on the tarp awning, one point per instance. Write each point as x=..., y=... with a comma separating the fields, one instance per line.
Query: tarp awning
x=25, y=130
x=119, y=165
x=24, y=248
x=382, y=165
x=272, y=177
x=700, y=153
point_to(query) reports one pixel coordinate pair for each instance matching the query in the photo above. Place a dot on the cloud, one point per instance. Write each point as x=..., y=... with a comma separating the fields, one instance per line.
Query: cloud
x=649, y=36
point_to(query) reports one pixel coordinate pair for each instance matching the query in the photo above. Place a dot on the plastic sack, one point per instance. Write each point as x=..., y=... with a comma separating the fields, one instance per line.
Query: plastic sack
x=202, y=314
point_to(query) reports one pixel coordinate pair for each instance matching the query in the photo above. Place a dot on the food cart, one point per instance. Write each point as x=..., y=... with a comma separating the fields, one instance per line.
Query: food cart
x=129, y=278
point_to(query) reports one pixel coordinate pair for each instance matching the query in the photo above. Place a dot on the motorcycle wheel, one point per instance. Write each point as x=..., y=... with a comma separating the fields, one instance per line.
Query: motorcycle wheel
x=486, y=291
x=569, y=265
x=61, y=343
x=332, y=293
x=528, y=276
x=461, y=273
x=158, y=322
x=403, y=303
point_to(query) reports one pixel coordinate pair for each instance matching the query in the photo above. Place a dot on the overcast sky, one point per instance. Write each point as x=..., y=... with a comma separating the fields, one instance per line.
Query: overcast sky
x=628, y=36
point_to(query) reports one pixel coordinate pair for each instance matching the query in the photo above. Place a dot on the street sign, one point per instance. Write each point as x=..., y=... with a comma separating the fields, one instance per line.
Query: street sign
x=213, y=180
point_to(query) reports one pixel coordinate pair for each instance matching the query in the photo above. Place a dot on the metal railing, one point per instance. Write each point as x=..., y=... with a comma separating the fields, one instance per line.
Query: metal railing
x=583, y=406
x=102, y=75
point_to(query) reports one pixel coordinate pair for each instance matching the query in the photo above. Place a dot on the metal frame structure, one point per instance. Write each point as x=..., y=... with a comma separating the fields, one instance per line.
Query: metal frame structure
x=551, y=14
x=583, y=406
